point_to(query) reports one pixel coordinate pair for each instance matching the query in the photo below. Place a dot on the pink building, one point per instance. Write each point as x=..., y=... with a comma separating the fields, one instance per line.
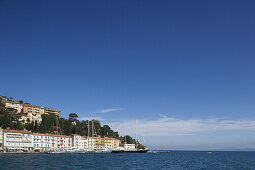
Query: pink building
x=59, y=142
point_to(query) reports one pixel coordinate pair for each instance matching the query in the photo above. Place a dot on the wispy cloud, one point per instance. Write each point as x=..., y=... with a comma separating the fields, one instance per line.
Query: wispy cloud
x=167, y=126
x=109, y=110
x=91, y=118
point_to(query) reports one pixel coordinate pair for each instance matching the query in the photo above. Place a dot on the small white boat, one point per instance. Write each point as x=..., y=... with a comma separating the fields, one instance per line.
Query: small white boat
x=103, y=150
x=68, y=150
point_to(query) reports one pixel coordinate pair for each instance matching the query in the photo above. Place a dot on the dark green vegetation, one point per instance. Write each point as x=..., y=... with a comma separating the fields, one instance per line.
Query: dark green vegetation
x=8, y=120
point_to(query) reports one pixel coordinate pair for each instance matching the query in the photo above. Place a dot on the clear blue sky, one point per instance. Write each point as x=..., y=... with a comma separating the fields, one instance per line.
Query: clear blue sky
x=169, y=63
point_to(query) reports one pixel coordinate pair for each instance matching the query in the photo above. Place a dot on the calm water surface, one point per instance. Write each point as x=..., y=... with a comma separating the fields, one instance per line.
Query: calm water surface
x=173, y=160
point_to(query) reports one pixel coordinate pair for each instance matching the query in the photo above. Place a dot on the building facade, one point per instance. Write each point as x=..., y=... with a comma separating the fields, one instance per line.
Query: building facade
x=12, y=104
x=42, y=110
x=1, y=139
x=31, y=113
x=111, y=143
x=98, y=142
x=29, y=108
x=42, y=142
x=91, y=142
x=79, y=142
x=29, y=117
x=48, y=110
x=16, y=140
x=60, y=142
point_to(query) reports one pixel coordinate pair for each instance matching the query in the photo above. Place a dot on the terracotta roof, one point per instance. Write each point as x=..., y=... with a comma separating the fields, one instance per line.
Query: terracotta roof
x=101, y=138
x=17, y=131
x=75, y=135
x=59, y=136
x=30, y=105
x=41, y=134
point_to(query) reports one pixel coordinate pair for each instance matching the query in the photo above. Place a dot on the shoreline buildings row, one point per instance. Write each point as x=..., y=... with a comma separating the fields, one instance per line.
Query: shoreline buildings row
x=21, y=140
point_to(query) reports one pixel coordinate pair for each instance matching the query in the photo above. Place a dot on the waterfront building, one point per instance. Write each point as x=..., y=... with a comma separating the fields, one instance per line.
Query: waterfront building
x=48, y=110
x=80, y=142
x=59, y=142
x=98, y=142
x=91, y=142
x=1, y=139
x=42, y=142
x=16, y=140
x=12, y=104
x=111, y=143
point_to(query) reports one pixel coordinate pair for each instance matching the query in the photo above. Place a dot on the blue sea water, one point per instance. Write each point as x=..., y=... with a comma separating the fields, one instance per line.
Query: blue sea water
x=173, y=160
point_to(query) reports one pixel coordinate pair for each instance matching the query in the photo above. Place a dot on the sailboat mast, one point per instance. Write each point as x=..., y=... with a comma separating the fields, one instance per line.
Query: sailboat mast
x=125, y=136
x=57, y=124
x=92, y=129
x=136, y=133
x=88, y=128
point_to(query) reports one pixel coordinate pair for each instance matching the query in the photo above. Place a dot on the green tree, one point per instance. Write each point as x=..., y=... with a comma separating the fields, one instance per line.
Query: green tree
x=73, y=116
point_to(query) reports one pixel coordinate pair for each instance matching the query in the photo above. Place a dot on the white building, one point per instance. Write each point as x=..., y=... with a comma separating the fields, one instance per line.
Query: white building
x=30, y=117
x=1, y=139
x=79, y=142
x=91, y=142
x=42, y=142
x=16, y=140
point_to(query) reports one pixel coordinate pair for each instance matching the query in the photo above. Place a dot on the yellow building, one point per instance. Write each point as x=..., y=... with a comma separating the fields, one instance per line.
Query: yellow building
x=99, y=143
x=48, y=110
x=105, y=142
x=41, y=110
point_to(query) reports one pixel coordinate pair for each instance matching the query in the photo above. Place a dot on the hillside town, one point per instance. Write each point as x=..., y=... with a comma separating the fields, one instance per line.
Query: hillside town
x=29, y=112
x=27, y=141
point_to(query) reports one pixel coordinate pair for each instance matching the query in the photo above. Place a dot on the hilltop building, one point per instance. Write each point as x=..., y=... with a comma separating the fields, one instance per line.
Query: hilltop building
x=34, y=112
x=29, y=112
x=29, y=108
x=51, y=111
x=14, y=105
